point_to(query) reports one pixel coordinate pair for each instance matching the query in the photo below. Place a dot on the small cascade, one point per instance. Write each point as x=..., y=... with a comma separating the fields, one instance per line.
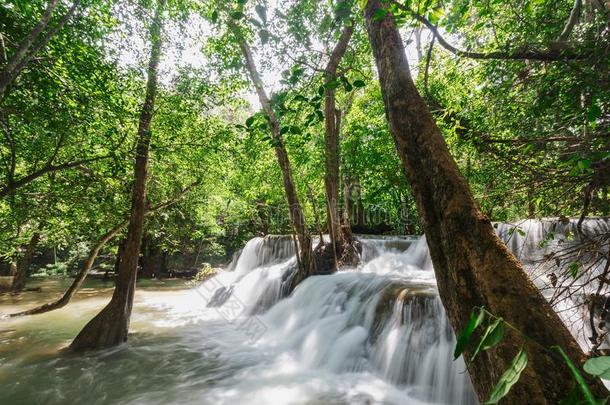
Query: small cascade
x=272, y=257
x=374, y=334
x=564, y=264
x=531, y=239
x=383, y=318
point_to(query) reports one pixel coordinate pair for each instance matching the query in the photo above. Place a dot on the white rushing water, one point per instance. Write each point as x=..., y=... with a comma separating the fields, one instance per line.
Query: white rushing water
x=565, y=270
x=376, y=334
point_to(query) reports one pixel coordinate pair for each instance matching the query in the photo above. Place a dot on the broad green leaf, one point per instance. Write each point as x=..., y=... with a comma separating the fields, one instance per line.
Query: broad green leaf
x=359, y=83
x=249, y=122
x=264, y=34
x=594, y=112
x=464, y=337
x=598, y=366
x=237, y=15
x=379, y=14
x=333, y=84
x=492, y=336
x=509, y=377
x=262, y=13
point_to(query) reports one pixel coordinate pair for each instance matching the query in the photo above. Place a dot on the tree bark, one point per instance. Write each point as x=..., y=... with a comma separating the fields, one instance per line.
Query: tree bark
x=332, y=121
x=110, y=326
x=294, y=205
x=12, y=185
x=153, y=260
x=23, y=264
x=473, y=267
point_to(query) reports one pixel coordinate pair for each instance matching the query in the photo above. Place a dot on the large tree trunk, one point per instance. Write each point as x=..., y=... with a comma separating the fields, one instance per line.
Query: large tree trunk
x=332, y=120
x=472, y=265
x=110, y=326
x=23, y=263
x=294, y=206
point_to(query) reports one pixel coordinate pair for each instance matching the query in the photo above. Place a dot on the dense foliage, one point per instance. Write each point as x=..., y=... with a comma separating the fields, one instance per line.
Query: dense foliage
x=523, y=107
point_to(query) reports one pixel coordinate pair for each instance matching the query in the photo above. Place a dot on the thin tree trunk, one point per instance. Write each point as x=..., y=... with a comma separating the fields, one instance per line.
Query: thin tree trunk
x=24, y=46
x=294, y=206
x=24, y=54
x=84, y=271
x=80, y=278
x=472, y=265
x=23, y=264
x=110, y=326
x=332, y=120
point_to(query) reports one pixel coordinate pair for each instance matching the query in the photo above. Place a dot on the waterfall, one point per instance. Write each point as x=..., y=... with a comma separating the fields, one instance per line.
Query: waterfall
x=383, y=320
x=564, y=265
x=380, y=328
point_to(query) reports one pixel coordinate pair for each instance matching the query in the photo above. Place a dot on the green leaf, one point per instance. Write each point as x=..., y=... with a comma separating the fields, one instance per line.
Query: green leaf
x=379, y=14
x=574, y=269
x=249, y=122
x=598, y=366
x=284, y=130
x=584, y=387
x=462, y=341
x=492, y=336
x=333, y=84
x=214, y=16
x=321, y=90
x=237, y=15
x=509, y=377
x=594, y=113
x=359, y=83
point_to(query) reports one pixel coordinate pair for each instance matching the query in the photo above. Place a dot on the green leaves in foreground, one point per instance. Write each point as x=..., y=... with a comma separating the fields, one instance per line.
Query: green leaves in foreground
x=509, y=378
x=476, y=319
x=598, y=366
x=584, y=387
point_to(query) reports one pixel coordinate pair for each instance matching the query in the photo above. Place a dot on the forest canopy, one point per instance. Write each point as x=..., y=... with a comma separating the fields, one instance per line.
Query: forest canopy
x=520, y=92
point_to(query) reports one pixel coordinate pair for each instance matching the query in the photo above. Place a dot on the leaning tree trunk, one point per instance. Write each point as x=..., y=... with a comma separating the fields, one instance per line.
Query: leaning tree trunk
x=472, y=265
x=23, y=264
x=294, y=206
x=84, y=271
x=110, y=326
x=332, y=122
x=78, y=281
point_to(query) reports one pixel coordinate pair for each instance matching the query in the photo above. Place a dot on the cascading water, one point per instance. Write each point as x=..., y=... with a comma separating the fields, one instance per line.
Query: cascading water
x=566, y=264
x=380, y=325
x=376, y=334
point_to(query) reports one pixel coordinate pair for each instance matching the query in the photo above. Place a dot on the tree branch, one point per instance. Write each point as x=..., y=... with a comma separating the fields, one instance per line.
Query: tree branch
x=520, y=54
x=49, y=168
x=571, y=23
